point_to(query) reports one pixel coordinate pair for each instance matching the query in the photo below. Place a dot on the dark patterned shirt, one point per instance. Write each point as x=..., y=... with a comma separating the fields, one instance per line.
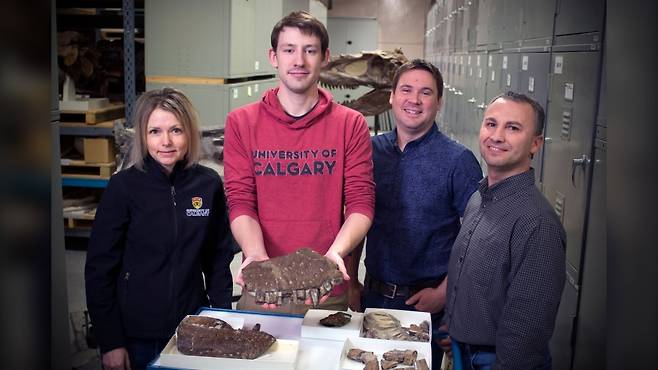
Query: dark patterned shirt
x=507, y=272
x=420, y=194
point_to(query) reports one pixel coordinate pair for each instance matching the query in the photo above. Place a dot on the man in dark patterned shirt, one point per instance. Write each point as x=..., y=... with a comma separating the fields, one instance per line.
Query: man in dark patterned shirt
x=423, y=181
x=507, y=267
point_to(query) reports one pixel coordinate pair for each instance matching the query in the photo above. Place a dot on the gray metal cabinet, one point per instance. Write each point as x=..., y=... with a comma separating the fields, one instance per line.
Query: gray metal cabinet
x=350, y=36
x=496, y=21
x=513, y=19
x=268, y=13
x=470, y=21
x=571, y=117
x=590, y=333
x=509, y=72
x=494, y=63
x=214, y=101
x=579, y=16
x=484, y=21
x=533, y=81
x=538, y=19
x=206, y=38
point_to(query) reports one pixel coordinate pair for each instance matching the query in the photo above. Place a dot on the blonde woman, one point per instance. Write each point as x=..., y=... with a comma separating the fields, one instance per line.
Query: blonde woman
x=158, y=249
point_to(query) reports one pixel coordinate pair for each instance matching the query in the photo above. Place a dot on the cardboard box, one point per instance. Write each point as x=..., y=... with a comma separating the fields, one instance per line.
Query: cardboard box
x=98, y=150
x=311, y=327
x=378, y=347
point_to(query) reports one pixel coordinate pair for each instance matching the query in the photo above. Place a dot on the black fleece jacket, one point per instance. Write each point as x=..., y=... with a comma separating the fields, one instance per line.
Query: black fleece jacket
x=153, y=237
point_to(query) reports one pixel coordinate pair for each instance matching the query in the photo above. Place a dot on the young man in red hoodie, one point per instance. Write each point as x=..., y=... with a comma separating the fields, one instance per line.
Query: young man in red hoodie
x=298, y=166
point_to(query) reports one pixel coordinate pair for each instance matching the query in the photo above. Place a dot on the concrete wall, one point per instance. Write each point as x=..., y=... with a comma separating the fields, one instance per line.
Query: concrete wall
x=401, y=22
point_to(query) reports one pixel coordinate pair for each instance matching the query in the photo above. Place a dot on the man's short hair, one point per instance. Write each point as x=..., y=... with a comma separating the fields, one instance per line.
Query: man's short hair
x=307, y=24
x=422, y=65
x=540, y=116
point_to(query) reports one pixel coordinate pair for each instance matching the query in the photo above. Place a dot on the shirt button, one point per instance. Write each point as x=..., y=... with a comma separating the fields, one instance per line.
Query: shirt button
x=461, y=258
x=470, y=232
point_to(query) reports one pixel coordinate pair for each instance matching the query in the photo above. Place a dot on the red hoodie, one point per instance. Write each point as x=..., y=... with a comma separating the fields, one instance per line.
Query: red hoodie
x=299, y=177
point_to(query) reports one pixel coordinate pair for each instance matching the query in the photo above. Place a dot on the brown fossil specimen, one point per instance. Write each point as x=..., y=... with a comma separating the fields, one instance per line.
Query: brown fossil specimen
x=336, y=319
x=291, y=278
x=382, y=325
x=422, y=365
x=207, y=336
x=406, y=357
x=368, y=358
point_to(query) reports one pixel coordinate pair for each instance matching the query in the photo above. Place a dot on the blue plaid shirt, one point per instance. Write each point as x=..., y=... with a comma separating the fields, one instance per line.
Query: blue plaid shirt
x=420, y=193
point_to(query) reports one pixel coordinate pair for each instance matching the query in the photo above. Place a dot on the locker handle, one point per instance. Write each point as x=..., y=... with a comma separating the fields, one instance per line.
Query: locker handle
x=575, y=163
x=471, y=100
x=481, y=106
x=459, y=92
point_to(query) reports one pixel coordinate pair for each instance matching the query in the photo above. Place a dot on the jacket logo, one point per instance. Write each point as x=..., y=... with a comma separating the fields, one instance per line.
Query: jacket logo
x=197, y=202
x=197, y=211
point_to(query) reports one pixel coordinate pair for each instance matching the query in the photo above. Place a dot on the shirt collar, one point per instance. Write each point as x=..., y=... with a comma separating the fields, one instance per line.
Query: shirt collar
x=393, y=138
x=507, y=186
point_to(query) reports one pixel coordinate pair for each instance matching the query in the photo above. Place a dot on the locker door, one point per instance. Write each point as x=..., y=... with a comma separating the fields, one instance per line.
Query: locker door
x=470, y=23
x=267, y=14
x=460, y=38
x=579, y=16
x=481, y=71
x=533, y=81
x=242, y=55
x=537, y=19
x=590, y=329
x=467, y=122
x=509, y=76
x=494, y=63
x=459, y=97
x=568, y=147
x=482, y=24
x=496, y=21
x=513, y=20
x=351, y=36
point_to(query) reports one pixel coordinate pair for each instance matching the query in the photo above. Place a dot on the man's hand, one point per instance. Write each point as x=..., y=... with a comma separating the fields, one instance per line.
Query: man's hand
x=429, y=300
x=444, y=340
x=354, y=292
x=116, y=359
x=338, y=260
x=240, y=280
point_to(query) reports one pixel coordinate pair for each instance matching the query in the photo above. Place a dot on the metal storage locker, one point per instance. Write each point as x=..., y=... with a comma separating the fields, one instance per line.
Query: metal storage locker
x=590, y=333
x=215, y=101
x=538, y=18
x=204, y=38
x=481, y=71
x=571, y=116
x=484, y=20
x=494, y=63
x=513, y=20
x=268, y=13
x=470, y=21
x=350, y=36
x=510, y=68
x=460, y=35
x=496, y=17
x=560, y=345
x=579, y=16
x=533, y=81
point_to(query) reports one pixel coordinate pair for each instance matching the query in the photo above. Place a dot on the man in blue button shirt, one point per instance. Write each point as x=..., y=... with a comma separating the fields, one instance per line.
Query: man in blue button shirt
x=423, y=182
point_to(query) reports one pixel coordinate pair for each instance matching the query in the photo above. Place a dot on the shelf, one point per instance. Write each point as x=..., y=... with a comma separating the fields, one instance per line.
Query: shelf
x=85, y=183
x=81, y=129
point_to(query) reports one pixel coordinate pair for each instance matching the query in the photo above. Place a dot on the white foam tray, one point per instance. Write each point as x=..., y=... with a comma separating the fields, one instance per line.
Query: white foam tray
x=311, y=327
x=282, y=355
x=378, y=347
x=406, y=318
